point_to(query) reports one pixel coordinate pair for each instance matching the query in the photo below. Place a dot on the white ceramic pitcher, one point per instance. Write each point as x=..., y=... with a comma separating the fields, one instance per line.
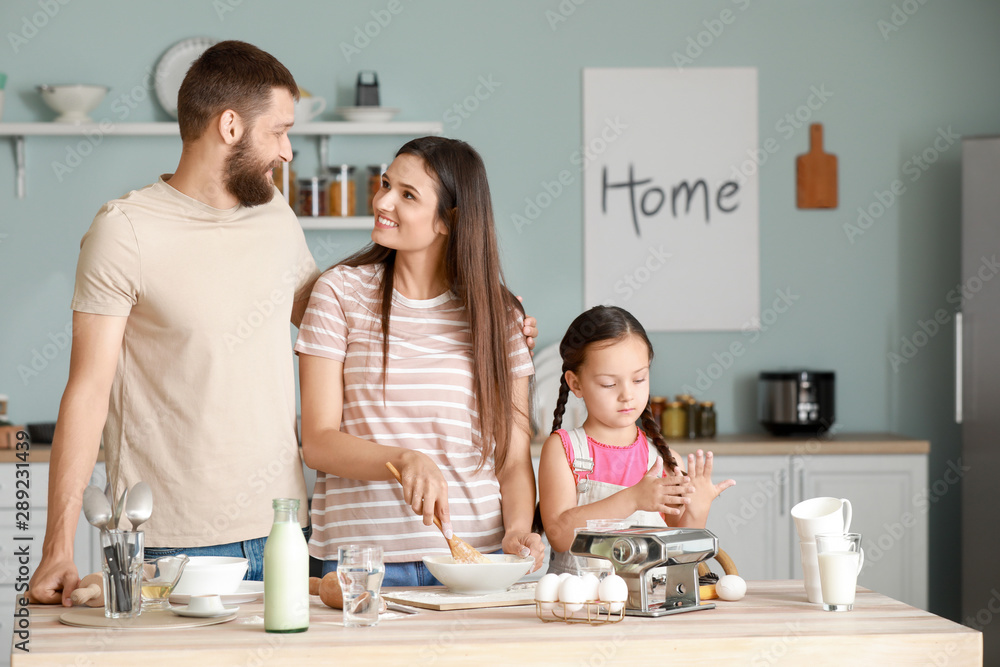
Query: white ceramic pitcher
x=821, y=515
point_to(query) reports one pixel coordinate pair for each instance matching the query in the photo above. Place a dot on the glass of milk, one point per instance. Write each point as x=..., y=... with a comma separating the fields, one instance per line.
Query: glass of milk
x=360, y=572
x=840, y=559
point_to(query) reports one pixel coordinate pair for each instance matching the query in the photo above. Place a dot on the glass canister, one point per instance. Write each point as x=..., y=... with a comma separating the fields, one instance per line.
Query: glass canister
x=693, y=418
x=342, y=191
x=375, y=172
x=657, y=404
x=674, y=423
x=284, y=174
x=707, y=420
x=312, y=196
x=286, y=571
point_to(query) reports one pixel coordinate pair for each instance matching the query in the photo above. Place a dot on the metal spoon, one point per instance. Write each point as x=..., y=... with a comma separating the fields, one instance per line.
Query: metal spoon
x=96, y=507
x=140, y=504
x=119, y=508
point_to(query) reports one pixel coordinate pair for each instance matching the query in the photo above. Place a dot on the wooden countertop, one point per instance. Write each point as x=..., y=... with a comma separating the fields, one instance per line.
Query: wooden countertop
x=773, y=623
x=763, y=444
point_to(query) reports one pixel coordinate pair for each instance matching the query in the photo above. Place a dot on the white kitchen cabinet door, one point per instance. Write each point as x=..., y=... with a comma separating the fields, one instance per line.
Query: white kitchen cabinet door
x=751, y=519
x=888, y=496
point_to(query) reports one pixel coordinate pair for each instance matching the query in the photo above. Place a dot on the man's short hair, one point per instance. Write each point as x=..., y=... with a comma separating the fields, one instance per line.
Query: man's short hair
x=230, y=75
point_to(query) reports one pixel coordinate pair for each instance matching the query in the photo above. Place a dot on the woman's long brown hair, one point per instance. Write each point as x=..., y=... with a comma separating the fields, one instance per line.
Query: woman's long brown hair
x=474, y=275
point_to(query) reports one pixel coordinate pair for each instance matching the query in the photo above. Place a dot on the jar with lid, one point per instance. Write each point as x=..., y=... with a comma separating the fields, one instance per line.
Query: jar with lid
x=693, y=418
x=674, y=420
x=375, y=172
x=707, y=420
x=312, y=196
x=342, y=190
x=657, y=404
x=284, y=174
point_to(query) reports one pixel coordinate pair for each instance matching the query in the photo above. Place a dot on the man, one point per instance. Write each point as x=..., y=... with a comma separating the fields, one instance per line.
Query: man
x=183, y=296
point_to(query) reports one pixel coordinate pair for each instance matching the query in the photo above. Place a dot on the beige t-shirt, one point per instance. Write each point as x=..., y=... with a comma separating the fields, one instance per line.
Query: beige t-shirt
x=203, y=401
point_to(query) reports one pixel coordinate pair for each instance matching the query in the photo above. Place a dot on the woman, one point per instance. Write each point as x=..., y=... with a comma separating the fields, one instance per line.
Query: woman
x=411, y=353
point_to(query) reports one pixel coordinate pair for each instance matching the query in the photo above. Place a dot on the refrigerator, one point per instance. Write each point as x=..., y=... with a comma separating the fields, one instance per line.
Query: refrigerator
x=977, y=405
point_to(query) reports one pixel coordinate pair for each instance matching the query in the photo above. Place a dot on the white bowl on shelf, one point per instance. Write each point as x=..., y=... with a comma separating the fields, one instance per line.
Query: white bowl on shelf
x=73, y=102
x=479, y=578
x=211, y=575
x=367, y=114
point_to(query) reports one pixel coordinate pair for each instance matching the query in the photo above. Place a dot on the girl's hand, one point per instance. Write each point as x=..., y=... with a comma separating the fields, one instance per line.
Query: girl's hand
x=525, y=544
x=700, y=471
x=656, y=493
x=425, y=489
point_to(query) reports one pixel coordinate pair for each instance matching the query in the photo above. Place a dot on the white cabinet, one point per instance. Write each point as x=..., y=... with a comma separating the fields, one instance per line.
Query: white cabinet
x=889, y=496
x=85, y=546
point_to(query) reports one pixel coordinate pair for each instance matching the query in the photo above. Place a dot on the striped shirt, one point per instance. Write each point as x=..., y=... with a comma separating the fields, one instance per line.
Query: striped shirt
x=428, y=405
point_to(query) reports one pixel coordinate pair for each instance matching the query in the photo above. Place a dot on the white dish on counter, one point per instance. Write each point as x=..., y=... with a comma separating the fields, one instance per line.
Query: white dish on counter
x=367, y=114
x=183, y=611
x=479, y=578
x=247, y=591
x=172, y=68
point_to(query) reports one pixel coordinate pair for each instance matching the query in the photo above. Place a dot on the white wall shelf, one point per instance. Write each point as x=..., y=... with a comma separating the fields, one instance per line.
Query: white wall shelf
x=324, y=130
x=324, y=222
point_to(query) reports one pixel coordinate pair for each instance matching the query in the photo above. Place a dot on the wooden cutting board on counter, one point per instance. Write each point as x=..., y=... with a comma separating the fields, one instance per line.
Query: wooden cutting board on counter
x=816, y=174
x=441, y=599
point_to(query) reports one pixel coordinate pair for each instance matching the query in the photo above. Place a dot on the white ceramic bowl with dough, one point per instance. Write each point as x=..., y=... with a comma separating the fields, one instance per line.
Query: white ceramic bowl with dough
x=479, y=578
x=73, y=102
x=211, y=575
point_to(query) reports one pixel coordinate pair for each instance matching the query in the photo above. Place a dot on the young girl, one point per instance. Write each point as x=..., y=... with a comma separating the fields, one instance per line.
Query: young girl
x=611, y=468
x=411, y=352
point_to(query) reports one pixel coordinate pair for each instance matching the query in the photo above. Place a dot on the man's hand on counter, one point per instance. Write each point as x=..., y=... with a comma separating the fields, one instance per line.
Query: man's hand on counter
x=53, y=582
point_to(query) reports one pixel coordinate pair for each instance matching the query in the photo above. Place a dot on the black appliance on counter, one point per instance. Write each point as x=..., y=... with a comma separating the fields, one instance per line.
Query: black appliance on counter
x=797, y=402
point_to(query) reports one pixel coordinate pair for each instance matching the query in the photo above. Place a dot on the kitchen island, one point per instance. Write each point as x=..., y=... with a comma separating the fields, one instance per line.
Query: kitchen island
x=773, y=624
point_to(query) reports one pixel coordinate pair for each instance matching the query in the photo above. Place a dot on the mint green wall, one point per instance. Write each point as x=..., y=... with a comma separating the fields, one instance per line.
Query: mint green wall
x=890, y=96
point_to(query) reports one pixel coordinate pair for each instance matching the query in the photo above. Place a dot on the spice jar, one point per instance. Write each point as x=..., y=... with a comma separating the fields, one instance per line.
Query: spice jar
x=375, y=172
x=674, y=423
x=657, y=404
x=342, y=191
x=280, y=179
x=693, y=418
x=707, y=420
x=312, y=196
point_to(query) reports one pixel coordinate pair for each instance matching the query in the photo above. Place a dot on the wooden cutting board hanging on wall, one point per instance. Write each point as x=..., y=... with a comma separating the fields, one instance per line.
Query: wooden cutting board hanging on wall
x=816, y=174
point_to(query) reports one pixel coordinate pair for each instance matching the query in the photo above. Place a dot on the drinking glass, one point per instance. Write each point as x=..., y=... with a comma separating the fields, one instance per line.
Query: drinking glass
x=360, y=572
x=159, y=576
x=121, y=563
x=840, y=559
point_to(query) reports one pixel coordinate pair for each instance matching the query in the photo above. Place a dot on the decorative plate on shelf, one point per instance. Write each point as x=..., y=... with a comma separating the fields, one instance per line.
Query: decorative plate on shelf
x=173, y=66
x=367, y=114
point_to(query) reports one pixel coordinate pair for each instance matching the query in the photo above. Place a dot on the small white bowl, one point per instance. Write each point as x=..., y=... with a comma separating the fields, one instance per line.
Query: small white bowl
x=73, y=102
x=211, y=575
x=479, y=578
x=367, y=114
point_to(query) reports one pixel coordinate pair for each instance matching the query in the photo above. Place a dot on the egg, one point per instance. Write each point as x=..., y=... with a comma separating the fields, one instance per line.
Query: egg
x=572, y=594
x=591, y=586
x=564, y=576
x=731, y=587
x=614, y=591
x=547, y=591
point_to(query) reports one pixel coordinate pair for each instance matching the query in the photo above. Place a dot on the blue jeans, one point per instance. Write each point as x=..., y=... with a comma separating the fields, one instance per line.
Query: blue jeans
x=252, y=550
x=407, y=575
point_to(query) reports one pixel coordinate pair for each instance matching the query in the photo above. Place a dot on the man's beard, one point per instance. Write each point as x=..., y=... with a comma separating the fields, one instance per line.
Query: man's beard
x=246, y=174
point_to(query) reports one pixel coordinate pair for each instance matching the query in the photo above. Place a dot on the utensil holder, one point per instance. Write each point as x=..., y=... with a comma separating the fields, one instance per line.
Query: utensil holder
x=121, y=563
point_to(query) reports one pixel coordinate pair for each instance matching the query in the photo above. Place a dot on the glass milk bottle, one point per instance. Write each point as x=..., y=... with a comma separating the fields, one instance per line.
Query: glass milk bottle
x=286, y=571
